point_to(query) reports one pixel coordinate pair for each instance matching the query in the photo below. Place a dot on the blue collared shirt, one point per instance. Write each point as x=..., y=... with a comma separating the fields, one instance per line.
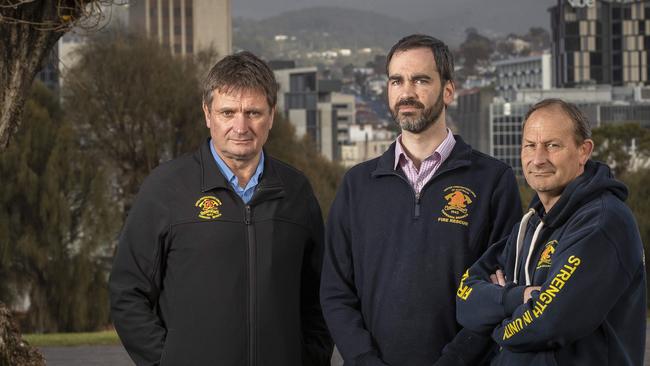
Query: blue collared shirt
x=245, y=193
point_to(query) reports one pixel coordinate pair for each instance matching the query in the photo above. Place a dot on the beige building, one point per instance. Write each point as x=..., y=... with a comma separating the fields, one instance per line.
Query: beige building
x=185, y=26
x=365, y=142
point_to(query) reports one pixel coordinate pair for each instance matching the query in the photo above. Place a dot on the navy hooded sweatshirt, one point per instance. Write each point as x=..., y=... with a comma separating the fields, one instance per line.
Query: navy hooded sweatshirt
x=393, y=259
x=587, y=256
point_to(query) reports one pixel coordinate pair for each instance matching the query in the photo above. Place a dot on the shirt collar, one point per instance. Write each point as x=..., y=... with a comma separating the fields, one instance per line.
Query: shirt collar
x=229, y=175
x=443, y=150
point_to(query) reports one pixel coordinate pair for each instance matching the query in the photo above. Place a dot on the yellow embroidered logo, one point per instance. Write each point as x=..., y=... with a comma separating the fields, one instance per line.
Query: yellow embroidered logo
x=464, y=290
x=458, y=200
x=209, y=206
x=545, y=259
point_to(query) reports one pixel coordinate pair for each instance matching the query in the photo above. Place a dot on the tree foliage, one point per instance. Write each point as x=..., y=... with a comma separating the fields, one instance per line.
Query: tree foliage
x=475, y=48
x=55, y=218
x=323, y=174
x=613, y=145
x=135, y=105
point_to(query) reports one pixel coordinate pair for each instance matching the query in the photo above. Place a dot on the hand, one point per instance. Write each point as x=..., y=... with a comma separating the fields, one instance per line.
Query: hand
x=528, y=292
x=498, y=278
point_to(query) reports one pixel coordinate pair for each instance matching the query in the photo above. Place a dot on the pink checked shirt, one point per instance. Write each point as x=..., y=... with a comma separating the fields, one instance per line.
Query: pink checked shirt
x=429, y=166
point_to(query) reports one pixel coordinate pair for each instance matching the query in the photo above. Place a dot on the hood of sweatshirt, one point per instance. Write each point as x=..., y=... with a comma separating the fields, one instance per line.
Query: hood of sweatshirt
x=595, y=180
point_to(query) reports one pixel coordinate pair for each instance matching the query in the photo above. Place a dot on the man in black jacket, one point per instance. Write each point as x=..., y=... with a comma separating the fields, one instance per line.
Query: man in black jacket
x=219, y=260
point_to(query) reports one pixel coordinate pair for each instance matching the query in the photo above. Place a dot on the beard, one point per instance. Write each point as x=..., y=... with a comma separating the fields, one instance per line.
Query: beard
x=414, y=123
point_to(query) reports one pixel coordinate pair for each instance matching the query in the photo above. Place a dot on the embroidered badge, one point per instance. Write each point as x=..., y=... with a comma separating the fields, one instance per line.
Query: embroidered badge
x=209, y=206
x=456, y=210
x=547, y=253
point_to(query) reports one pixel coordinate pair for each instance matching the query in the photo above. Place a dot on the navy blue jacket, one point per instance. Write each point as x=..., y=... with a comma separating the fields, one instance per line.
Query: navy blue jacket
x=588, y=260
x=393, y=260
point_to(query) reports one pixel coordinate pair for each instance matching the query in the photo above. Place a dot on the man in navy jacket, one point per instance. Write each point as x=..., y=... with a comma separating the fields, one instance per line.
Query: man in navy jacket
x=567, y=287
x=404, y=226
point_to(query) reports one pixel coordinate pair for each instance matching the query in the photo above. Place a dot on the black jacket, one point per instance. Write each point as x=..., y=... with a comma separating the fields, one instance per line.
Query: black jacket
x=587, y=257
x=393, y=260
x=200, y=278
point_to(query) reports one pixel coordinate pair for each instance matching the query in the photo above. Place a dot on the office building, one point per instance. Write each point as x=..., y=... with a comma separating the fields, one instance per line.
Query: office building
x=603, y=105
x=531, y=72
x=601, y=42
x=185, y=27
x=314, y=107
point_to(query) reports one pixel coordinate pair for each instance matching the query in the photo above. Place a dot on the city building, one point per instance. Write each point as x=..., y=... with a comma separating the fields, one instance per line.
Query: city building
x=471, y=116
x=314, y=107
x=531, y=72
x=185, y=26
x=365, y=142
x=601, y=42
x=603, y=105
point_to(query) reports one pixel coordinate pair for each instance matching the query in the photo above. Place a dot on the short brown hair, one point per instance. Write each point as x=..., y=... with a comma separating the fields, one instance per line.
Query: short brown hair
x=241, y=71
x=442, y=55
x=581, y=128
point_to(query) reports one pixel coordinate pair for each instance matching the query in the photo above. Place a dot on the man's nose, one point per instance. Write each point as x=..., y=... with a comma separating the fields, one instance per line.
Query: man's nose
x=240, y=124
x=540, y=156
x=408, y=91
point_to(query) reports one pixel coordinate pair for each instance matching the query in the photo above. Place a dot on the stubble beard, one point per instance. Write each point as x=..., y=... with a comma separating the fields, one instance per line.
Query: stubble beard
x=413, y=124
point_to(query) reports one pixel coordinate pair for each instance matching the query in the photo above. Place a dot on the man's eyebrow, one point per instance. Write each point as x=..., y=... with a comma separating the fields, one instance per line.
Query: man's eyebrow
x=395, y=77
x=421, y=76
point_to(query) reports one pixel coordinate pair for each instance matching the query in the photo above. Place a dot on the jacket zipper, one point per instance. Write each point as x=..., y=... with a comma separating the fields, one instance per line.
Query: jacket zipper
x=252, y=301
x=416, y=210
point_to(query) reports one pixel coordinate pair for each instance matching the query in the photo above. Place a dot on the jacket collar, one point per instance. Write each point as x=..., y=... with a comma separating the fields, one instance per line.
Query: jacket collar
x=269, y=186
x=460, y=156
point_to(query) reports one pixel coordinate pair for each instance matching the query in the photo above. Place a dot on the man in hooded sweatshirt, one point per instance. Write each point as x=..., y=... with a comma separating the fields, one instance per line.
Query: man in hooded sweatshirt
x=567, y=287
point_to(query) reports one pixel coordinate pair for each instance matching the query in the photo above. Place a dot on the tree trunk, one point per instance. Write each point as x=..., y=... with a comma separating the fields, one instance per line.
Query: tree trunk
x=14, y=351
x=27, y=35
x=28, y=32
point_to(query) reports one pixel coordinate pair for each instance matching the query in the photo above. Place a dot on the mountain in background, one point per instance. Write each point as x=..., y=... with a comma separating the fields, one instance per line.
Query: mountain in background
x=443, y=18
x=320, y=29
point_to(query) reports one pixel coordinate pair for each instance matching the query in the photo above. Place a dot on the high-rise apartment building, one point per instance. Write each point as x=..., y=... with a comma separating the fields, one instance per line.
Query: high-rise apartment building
x=601, y=42
x=185, y=26
x=530, y=72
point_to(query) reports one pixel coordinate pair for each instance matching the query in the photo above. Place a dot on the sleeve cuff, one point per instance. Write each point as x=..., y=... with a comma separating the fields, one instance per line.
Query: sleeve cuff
x=512, y=298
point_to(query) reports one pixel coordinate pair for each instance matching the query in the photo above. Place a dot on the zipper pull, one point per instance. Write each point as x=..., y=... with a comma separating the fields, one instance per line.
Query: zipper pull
x=417, y=205
x=247, y=217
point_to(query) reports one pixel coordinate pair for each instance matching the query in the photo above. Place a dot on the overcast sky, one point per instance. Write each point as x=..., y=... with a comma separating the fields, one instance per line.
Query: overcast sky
x=503, y=16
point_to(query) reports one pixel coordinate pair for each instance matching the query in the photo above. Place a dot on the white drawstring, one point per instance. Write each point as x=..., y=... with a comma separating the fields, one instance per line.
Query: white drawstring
x=520, y=238
x=530, y=251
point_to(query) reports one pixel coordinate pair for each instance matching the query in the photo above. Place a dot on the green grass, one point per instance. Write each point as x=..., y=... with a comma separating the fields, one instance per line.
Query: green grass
x=72, y=339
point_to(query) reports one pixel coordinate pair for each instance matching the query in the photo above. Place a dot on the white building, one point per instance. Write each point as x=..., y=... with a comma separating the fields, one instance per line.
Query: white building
x=532, y=72
x=365, y=142
x=313, y=109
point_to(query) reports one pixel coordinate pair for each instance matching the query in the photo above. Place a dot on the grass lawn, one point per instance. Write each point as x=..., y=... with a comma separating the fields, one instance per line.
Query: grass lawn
x=72, y=339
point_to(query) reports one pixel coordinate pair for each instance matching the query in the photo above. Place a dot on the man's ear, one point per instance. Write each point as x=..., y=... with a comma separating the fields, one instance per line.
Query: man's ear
x=585, y=150
x=206, y=112
x=448, y=92
x=272, y=117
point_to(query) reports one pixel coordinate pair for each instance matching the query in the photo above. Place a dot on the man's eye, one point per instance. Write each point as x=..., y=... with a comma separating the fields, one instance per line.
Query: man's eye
x=420, y=81
x=227, y=113
x=394, y=82
x=254, y=114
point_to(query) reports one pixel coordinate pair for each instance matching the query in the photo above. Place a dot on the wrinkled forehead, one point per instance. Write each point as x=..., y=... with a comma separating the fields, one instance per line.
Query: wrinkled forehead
x=239, y=93
x=551, y=120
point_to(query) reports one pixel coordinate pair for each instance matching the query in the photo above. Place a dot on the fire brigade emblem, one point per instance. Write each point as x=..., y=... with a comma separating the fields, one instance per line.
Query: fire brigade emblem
x=209, y=206
x=545, y=258
x=458, y=199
